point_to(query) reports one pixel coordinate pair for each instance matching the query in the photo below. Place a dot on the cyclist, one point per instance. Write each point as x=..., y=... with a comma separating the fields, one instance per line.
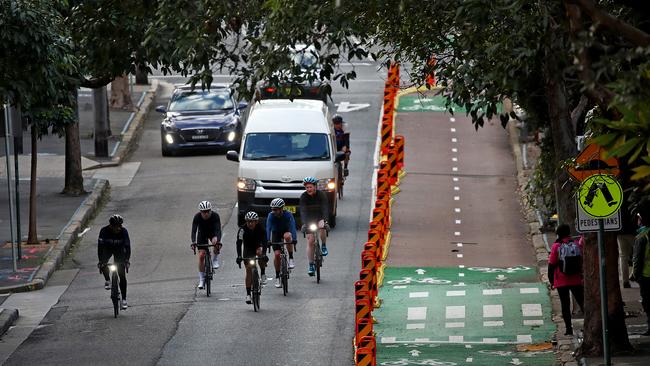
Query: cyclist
x=206, y=229
x=281, y=227
x=342, y=140
x=253, y=238
x=313, y=209
x=114, y=241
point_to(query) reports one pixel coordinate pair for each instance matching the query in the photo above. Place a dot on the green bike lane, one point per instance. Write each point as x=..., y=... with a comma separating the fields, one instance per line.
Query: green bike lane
x=463, y=316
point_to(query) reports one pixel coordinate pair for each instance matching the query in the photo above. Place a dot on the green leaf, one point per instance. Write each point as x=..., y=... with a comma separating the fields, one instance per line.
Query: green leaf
x=641, y=172
x=625, y=148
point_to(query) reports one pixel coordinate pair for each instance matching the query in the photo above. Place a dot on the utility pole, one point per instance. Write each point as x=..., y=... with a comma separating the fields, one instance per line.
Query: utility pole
x=10, y=186
x=101, y=122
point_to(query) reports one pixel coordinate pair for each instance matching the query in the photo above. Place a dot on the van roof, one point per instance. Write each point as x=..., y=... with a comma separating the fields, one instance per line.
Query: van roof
x=284, y=115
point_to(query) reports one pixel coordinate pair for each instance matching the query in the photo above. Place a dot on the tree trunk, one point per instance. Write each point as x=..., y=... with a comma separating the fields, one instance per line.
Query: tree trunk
x=592, y=344
x=101, y=122
x=120, y=93
x=32, y=237
x=141, y=76
x=74, y=181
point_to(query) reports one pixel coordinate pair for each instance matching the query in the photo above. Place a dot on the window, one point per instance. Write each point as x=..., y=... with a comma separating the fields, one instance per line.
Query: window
x=201, y=100
x=286, y=146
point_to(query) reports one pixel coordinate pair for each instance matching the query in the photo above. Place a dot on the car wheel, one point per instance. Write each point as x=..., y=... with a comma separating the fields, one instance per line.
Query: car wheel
x=166, y=151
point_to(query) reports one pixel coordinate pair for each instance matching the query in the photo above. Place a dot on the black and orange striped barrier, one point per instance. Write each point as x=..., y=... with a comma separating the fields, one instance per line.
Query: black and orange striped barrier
x=392, y=164
x=369, y=263
x=386, y=133
x=362, y=309
x=363, y=328
x=370, y=343
x=382, y=204
x=431, y=78
x=364, y=357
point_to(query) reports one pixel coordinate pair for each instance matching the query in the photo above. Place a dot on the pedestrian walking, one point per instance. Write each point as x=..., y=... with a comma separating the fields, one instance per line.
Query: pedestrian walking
x=641, y=258
x=565, y=272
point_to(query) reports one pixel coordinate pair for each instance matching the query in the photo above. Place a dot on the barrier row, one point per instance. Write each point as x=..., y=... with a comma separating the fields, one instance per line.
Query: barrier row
x=375, y=250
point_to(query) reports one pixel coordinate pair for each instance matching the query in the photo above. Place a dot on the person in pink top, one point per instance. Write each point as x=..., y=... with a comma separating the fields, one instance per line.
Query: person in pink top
x=565, y=272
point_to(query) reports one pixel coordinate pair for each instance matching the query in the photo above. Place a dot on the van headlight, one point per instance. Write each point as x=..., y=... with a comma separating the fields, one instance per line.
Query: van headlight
x=328, y=184
x=246, y=185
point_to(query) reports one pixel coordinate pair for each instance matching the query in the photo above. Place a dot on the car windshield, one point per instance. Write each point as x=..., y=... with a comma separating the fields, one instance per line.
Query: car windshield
x=286, y=146
x=201, y=100
x=305, y=59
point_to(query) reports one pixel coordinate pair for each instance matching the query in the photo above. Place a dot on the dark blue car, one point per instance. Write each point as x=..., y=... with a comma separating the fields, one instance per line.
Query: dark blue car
x=201, y=119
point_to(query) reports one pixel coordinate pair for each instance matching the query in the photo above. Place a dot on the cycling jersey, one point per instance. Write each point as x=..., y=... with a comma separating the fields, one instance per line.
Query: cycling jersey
x=342, y=139
x=113, y=244
x=313, y=208
x=283, y=224
x=207, y=229
x=252, y=239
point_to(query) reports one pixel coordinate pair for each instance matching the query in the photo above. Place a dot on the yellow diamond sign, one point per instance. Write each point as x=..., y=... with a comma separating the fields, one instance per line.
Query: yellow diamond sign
x=600, y=195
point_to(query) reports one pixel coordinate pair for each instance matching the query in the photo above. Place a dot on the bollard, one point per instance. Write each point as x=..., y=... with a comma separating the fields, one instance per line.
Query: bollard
x=392, y=164
x=399, y=144
x=363, y=328
x=386, y=132
x=362, y=310
x=370, y=343
x=383, y=204
x=364, y=357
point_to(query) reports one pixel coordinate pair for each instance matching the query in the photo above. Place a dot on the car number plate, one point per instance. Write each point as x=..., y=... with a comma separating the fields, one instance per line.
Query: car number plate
x=291, y=209
x=200, y=137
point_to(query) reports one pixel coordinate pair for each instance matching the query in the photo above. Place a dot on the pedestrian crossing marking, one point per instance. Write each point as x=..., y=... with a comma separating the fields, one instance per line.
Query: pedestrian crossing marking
x=524, y=338
x=491, y=340
x=415, y=326
x=533, y=322
x=529, y=290
x=417, y=313
x=456, y=339
x=455, y=312
x=418, y=294
x=456, y=293
x=531, y=309
x=492, y=311
x=455, y=325
x=492, y=292
x=493, y=323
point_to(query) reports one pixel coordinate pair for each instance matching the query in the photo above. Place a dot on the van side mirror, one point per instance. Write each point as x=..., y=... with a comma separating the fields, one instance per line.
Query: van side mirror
x=340, y=156
x=232, y=155
x=161, y=109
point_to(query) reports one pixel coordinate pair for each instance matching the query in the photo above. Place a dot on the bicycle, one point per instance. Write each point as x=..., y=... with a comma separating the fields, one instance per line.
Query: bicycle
x=341, y=181
x=318, y=253
x=207, y=264
x=284, y=267
x=256, y=282
x=115, y=287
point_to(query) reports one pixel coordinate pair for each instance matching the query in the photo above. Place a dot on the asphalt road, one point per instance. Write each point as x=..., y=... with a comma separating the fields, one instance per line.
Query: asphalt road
x=168, y=321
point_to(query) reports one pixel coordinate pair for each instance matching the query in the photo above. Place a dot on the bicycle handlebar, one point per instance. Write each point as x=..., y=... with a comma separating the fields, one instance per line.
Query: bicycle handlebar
x=202, y=246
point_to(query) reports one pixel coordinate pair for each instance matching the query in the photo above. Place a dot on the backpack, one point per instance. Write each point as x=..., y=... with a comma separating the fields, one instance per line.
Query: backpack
x=570, y=258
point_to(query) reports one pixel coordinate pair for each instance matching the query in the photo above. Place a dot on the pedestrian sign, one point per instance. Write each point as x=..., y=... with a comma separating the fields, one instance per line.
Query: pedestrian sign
x=600, y=195
x=586, y=223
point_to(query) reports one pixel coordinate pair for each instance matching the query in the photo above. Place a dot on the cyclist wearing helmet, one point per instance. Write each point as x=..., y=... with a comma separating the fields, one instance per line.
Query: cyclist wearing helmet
x=342, y=140
x=253, y=238
x=281, y=227
x=206, y=229
x=114, y=241
x=313, y=209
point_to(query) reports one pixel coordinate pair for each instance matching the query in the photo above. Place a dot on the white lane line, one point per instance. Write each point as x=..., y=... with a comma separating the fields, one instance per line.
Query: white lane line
x=461, y=265
x=417, y=313
x=531, y=309
x=455, y=312
x=492, y=292
x=388, y=339
x=456, y=293
x=533, y=322
x=456, y=198
x=456, y=339
x=455, y=325
x=418, y=294
x=453, y=149
x=456, y=233
x=469, y=360
x=491, y=340
x=459, y=255
x=452, y=119
x=399, y=286
x=461, y=274
x=456, y=188
x=421, y=340
x=493, y=323
x=524, y=338
x=493, y=311
x=452, y=129
x=468, y=346
x=529, y=290
x=459, y=245
x=457, y=209
x=454, y=139
x=457, y=222
x=454, y=159
x=455, y=179
x=415, y=326
x=454, y=169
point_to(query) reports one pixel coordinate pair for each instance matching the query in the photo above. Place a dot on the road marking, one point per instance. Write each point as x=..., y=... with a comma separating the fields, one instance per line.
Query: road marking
x=493, y=323
x=455, y=312
x=461, y=265
x=469, y=360
x=525, y=338
x=533, y=322
x=388, y=339
x=468, y=346
x=454, y=159
x=456, y=339
x=453, y=129
x=457, y=209
x=461, y=274
x=456, y=188
x=415, y=326
x=459, y=284
x=453, y=149
x=455, y=325
x=459, y=255
x=459, y=245
x=529, y=290
x=399, y=286
x=492, y=292
x=454, y=169
x=454, y=140
x=493, y=311
x=452, y=119
x=456, y=293
x=418, y=294
x=531, y=309
x=350, y=107
x=457, y=222
x=455, y=179
x=456, y=233
x=421, y=339
x=417, y=313
x=490, y=340
x=456, y=198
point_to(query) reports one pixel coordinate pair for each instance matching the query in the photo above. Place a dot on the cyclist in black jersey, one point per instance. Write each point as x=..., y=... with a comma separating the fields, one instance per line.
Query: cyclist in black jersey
x=313, y=209
x=342, y=141
x=206, y=229
x=114, y=241
x=252, y=237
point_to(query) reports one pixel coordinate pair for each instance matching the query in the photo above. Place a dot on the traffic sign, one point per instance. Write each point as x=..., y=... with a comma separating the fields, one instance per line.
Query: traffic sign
x=591, y=160
x=600, y=195
x=588, y=224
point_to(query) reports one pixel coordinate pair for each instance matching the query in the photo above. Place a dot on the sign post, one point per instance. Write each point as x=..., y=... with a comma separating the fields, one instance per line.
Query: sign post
x=601, y=196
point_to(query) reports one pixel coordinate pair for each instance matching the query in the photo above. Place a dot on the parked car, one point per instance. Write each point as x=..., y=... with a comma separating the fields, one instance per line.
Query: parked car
x=201, y=119
x=306, y=58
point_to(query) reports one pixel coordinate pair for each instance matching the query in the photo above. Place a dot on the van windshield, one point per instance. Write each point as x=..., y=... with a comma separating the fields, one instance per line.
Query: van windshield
x=286, y=146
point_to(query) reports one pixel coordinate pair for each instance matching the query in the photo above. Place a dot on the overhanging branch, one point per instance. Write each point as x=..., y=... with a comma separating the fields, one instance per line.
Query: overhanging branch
x=628, y=31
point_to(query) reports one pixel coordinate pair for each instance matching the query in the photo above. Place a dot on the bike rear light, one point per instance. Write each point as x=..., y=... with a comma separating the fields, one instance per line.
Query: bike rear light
x=270, y=90
x=246, y=185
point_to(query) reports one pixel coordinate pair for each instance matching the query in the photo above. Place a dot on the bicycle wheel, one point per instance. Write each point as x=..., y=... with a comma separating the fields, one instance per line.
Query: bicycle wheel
x=208, y=273
x=339, y=188
x=115, y=293
x=284, y=274
x=318, y=259
x=255, y=290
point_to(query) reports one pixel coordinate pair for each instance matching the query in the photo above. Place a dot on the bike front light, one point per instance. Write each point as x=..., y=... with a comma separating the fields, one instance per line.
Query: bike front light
x=112, y=268
x=328, y=184
x=231, y=136
x=246, y=185
x=169, y=139
x=313, y=227
x=251, y=262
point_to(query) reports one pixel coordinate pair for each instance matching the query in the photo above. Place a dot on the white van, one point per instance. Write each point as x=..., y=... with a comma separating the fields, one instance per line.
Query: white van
x=285, y=141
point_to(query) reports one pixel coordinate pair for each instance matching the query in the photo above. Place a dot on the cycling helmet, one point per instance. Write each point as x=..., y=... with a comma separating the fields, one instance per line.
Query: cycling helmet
x=116, y=220
x=277, y=203
x=205, y=206
x=310, y=180
x=251, y=216
x=337, y=118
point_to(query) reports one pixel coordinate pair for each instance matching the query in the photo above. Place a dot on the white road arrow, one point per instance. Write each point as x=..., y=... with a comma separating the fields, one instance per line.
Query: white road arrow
x=501, y=277
x=420, y=271
x=414, y=353
x=344, y=107
x=515, y=361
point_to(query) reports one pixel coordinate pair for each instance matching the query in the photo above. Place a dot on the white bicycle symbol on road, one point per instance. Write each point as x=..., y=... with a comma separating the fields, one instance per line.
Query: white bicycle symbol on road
x=498, y=270
x=430, y=281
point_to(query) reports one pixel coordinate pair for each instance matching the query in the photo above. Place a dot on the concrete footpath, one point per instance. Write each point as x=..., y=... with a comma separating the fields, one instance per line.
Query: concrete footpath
x=61, y=219
x=466, y=282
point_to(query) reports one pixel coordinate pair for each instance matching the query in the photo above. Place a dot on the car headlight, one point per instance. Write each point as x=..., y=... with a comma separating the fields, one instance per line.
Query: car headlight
x=169, y=138
x=327, y=184
x=231, y=136
x=246, y=185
